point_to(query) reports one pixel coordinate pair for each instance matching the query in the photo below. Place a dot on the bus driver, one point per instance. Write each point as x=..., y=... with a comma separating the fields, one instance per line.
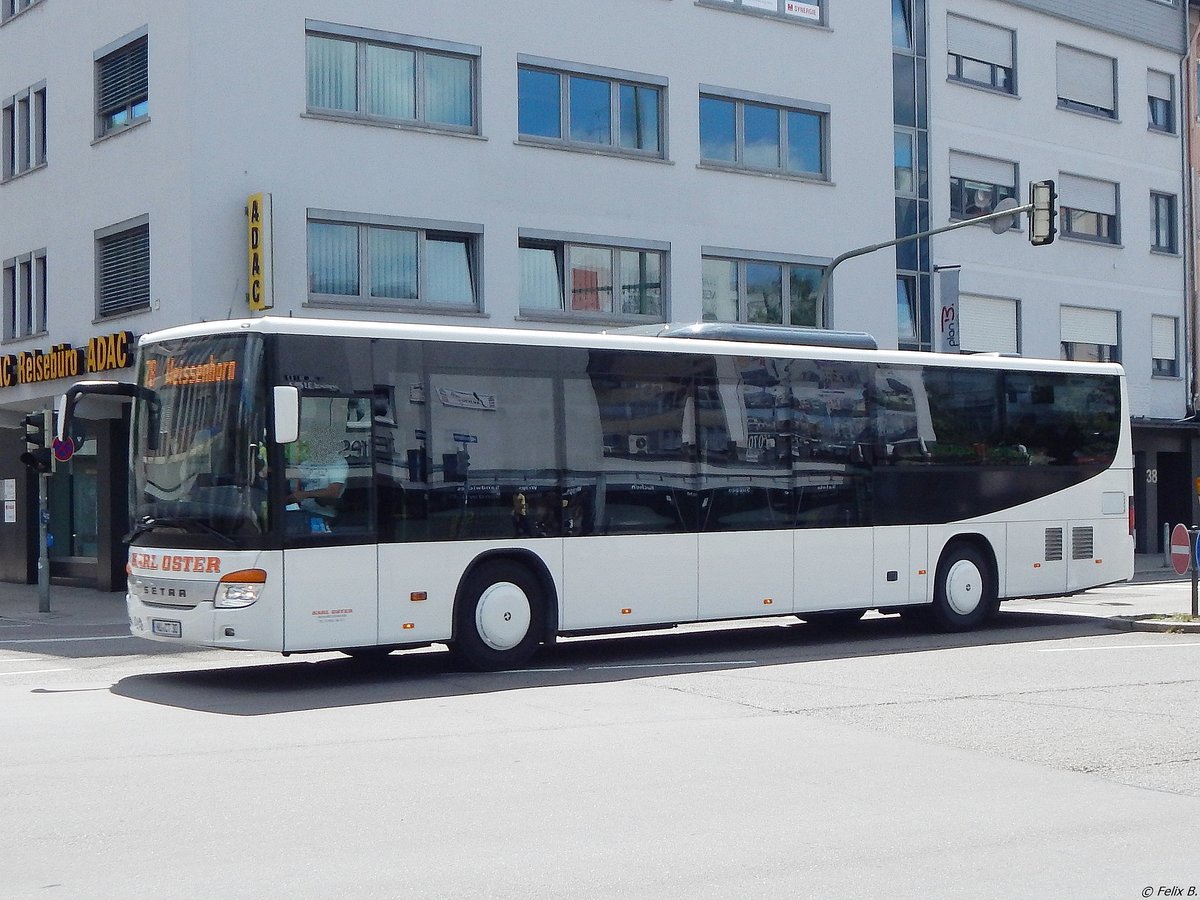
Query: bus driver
x=316, y=483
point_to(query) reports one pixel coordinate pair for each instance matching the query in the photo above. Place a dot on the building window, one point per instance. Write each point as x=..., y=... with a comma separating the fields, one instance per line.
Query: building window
x=122, y=86
x=908, y=31
x=1088, y=209
x=1164, y=345
x=980, y=54
x=812, y=11
x=906, y=307
x=989, y=324
x=1160, y=94
x=392, y=262
x=123, y=268
x=1089, y=335
x=766, y=135
x=1087, y=82
x=23, y=129
x=579, y=277
x=380, y=77
x=25, y=295
x=978, y=183
x=905, y=162
x=762, y=291
x=590, y=107
x=1162, y=212
x=10, y=8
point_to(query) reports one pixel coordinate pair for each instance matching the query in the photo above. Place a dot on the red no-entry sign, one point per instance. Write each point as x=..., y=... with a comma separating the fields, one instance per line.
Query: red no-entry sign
x=1181, y=550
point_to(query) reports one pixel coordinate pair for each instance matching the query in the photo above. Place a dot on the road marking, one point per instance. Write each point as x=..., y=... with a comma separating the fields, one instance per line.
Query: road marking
x=33, y=672
x=113, y=637
x=665, y=665
x=1118, y=647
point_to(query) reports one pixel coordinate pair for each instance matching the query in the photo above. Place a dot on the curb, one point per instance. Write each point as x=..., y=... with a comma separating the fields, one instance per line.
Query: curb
x=1161, y=626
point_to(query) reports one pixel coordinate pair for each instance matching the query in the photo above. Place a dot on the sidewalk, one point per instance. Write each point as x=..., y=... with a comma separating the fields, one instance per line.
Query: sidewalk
x=1155, y=590
x=77, y=607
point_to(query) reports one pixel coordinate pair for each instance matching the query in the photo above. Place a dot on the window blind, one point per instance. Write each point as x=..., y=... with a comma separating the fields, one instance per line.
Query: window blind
x=1162, y=337
x=978, y=40
x=1160, y=85
x=988, y=324
x=123, y=77
x=1081, y=325
x=1088, y=193
x=980, y=168
x=125, y=271
x=1086, y=78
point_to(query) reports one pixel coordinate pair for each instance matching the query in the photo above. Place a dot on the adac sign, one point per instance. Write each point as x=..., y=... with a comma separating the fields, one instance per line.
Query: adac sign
x=102, y=353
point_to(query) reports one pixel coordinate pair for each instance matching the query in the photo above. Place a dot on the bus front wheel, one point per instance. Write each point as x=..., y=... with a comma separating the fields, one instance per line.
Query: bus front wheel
x=964, y=595
x=499, y=616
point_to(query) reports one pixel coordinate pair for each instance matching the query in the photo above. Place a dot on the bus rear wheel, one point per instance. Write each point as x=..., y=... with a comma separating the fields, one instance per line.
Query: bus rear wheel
x=964, y=595
x=498, y=622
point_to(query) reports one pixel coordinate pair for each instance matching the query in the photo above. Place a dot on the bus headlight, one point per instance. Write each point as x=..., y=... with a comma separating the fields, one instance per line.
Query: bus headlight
x=240, y=588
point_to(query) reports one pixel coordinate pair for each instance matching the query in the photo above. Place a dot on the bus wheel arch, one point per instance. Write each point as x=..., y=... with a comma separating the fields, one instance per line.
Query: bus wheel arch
x=504, y=609
x=966, y=584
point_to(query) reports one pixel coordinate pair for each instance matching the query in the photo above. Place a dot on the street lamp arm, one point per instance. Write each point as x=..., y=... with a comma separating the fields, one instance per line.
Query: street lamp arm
x=1011, y=212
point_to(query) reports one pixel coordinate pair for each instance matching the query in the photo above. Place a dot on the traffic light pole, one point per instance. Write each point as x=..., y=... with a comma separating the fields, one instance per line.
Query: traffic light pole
x=1041, y=210
x=43, y=563
x=1010, y=212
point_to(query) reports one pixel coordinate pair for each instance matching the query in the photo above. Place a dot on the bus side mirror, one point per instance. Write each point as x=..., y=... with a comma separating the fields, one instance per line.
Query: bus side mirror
x=287, y=414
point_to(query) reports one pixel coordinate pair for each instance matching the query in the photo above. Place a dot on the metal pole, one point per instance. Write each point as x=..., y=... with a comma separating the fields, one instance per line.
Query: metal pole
x=43, y=564
x=862, y=251
x=1193, y=533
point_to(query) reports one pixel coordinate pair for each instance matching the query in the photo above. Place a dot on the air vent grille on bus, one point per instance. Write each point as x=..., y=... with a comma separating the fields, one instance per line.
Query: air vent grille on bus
x=1054, y=544
x=1081, y=543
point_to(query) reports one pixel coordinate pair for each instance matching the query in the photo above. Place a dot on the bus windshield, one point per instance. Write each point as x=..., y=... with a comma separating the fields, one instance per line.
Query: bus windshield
x=198, y=451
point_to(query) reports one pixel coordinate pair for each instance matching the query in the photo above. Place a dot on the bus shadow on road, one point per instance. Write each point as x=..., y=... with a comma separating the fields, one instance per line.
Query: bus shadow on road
x=298, y=684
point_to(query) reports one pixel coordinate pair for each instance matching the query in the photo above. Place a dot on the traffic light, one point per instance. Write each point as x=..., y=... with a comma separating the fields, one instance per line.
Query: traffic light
x=37, y=451
x=1045, y=210
x=455, y=466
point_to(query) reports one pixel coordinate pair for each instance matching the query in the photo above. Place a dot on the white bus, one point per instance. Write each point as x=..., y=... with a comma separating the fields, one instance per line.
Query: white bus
x=303, y=485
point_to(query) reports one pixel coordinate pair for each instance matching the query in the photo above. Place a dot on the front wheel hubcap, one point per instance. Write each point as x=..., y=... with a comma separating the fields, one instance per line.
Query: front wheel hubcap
x=503, y=615
x=964, y=587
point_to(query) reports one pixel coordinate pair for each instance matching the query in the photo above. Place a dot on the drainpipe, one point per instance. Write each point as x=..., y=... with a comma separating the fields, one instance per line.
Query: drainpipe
x=1188, y=112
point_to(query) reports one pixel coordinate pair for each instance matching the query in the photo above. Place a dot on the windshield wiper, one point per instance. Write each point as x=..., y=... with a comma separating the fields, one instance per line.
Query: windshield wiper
x=149, y=523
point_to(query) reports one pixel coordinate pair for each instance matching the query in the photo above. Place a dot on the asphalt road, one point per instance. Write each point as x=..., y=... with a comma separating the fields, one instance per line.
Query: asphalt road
x=1047, y=756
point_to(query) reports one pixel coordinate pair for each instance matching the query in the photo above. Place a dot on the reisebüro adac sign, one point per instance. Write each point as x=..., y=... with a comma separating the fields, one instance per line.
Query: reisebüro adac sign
x=102, y=353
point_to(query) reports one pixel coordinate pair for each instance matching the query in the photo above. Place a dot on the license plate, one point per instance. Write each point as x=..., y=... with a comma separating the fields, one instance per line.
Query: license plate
x=166, y=628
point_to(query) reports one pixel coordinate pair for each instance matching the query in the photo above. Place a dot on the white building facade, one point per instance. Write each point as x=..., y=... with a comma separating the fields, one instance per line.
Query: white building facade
x=1087, y=94
x=554, y=164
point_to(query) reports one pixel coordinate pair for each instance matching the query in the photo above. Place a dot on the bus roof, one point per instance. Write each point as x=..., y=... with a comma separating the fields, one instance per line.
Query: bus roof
x=743, y=340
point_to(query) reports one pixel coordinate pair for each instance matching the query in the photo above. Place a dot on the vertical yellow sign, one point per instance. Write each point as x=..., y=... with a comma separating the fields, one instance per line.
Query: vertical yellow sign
x=260, y=289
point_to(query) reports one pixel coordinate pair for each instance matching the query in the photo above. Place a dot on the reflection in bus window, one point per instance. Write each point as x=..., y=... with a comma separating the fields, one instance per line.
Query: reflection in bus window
x=1062, y=419
x=831, y=416
x=470, y=450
